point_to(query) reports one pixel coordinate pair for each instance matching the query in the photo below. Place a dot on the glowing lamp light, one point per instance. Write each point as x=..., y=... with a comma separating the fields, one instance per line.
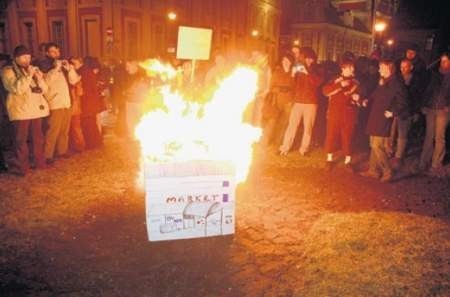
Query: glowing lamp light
x=390, y=42
x=296, y=42
x=255, y=33
x=380, y=26
x=172, y=16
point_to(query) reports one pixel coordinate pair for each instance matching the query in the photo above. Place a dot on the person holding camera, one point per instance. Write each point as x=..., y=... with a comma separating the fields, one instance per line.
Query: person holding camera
x=307, y=79
x=26, y=108
x=58, y=75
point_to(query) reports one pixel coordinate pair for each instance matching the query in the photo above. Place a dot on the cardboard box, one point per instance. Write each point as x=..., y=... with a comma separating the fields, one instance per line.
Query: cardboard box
x=190, y=200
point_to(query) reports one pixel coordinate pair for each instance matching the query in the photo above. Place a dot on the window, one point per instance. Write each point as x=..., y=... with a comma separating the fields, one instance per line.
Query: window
x=357, y=47
x=348, y=44
x=365, y=47
x=3, y=39
x=307, y=39
x=330, y=46
x=29, y=35
x=58, y=35
x=132, y=36
x=339, y=46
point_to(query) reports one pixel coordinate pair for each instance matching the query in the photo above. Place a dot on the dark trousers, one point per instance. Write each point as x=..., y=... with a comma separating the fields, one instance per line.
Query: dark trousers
x=23, y=130
x=340, y=127
x=76, y=138
x=2, y=161
x=92, y=137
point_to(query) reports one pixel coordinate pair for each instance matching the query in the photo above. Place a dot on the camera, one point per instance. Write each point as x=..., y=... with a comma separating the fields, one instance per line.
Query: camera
x=299, y=68
x=36, y=90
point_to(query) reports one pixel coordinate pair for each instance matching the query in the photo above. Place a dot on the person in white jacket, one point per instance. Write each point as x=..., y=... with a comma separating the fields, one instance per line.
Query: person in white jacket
x=26, y=107
x=58, y=75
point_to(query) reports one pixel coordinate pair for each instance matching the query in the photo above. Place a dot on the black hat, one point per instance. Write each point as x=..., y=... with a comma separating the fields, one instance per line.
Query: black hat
x=309, y=53
x=348, y=58
x=413, y=46
x=21, y=50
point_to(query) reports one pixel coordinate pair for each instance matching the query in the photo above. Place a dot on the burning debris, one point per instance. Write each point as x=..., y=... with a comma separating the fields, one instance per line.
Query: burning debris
x=196, y=150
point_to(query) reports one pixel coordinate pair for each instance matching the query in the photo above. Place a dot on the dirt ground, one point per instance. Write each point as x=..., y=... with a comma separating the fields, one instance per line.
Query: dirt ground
x=78, y=229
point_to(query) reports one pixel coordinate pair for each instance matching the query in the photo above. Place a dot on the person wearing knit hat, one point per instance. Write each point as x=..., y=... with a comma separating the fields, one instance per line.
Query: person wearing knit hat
x=419, y=65
x=26, y=108
x=21, y=50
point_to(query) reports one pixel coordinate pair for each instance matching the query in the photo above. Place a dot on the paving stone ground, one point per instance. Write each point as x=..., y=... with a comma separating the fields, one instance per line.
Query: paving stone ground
x=78, y=229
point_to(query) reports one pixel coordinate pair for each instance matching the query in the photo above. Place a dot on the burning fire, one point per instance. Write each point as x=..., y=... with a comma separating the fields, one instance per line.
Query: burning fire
x=155, y=67
x=186, y=131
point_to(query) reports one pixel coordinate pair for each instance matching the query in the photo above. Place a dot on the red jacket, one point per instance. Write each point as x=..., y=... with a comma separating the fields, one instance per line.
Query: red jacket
x=91, y=101
x=340, y=98
x=306, y=88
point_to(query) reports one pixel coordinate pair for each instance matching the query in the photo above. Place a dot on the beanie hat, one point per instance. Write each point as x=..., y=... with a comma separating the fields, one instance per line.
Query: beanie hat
x=21, y=50
x=309, y=53
x=348, y=58
x=413, y=46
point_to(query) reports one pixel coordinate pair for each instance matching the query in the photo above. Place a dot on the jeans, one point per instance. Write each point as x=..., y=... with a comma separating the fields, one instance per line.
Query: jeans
x=434, y=153
x=300, y=111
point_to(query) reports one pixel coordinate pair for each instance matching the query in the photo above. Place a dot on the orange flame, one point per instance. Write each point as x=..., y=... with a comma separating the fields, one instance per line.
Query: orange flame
x=215, y=131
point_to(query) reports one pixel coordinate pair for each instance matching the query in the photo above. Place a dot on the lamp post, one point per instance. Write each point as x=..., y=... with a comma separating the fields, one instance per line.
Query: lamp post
x=255, y=34
x=171, y=17
x=390, y=43
x=379, y=28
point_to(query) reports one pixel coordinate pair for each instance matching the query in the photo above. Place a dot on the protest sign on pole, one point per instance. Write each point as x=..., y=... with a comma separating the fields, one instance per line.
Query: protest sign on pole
x=194, y=44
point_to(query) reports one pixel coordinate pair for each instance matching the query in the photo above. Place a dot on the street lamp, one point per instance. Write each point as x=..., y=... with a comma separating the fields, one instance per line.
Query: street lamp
x=172, y=16
x=172, y=36
x=380, y=27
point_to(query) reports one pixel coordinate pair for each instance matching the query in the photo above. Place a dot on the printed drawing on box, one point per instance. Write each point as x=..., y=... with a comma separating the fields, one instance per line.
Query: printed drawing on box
x=207, y=216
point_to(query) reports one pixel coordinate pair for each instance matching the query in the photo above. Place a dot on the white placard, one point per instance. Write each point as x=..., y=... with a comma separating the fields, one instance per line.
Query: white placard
x=194, y=43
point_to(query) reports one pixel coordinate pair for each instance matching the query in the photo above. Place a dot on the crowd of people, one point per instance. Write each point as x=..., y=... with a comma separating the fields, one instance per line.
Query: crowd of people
x=49, y=106
x=53, y=106
x=389, y=101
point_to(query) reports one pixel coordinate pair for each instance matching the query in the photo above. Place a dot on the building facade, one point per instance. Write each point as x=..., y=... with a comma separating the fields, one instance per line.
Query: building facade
x=332, y=27
x=134, y=29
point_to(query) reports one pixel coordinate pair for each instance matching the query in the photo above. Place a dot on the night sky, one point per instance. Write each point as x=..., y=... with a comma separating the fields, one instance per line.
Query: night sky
x=425, y=14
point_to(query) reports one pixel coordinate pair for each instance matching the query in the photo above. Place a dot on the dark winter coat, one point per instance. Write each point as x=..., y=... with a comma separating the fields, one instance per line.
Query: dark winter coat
x=415, y=90
x=389, y=96
x=437, y=93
